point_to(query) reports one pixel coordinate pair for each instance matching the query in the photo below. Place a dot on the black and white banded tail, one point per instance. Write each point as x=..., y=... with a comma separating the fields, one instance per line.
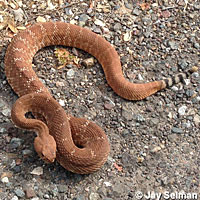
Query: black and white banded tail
x=168, y=82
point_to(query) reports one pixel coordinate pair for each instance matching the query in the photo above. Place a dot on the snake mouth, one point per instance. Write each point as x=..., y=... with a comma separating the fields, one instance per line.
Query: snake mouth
x=46, y=160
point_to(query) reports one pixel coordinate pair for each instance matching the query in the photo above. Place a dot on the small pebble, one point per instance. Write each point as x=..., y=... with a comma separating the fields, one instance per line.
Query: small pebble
x=62, y=102
x=156, y=149
x=89, y=62
x=172, y=44
x=197, y=119
x=70, y=73
x=46, y=196
x=117, y=26
x=16, y=142
x=99, y=22
x=26, y=152
x=5, y=180
x=107, y=184
x=140, y=159
x=140, y=77
x=6, y=112
x=136, y=11
x=19, y=192
x=37, y=171
x=94, y=196
x=109, y=106
x=182, y=110
x=30, y=193
x=68, y=11
x=197, y=45
x=62, y=188
x=174, y=88
x=139, y=118
x=83, y=18
x=15, y=198
x=177, y=130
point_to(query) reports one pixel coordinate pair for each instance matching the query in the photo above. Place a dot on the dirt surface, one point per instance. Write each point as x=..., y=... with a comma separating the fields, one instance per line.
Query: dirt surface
x=155, y=143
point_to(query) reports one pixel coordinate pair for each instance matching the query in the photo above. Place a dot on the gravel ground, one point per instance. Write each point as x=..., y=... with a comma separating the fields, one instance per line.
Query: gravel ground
x=154, y=142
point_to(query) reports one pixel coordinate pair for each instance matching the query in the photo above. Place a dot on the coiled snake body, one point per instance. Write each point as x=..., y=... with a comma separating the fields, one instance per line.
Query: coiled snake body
x=78, y=144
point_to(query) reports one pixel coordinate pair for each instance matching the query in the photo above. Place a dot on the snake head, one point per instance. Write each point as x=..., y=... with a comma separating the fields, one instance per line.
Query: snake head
x=46, y=148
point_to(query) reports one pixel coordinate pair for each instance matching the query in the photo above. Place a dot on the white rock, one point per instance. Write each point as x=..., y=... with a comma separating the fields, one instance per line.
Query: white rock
x=37, y=171
x=107, y=184
x=174, y=88
x=198, y=98
x=170, y=115
x=35, y=198
x=99, y=22
x=140, y=77
x=187, y=81
x=196, y=119
x=182, y=110
x=70, y=73
x=156, y=149
x=62, y=102
x=15, y=198
x=5, y=180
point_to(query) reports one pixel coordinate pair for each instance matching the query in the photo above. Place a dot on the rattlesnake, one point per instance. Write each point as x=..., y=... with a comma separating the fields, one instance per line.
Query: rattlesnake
x=78, y=144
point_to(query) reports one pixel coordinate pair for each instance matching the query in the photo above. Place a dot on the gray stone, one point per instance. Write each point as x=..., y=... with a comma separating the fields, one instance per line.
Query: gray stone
x=119, y=189
x=117, y=26
x=79, y=197
x=177, y=130
x=2, y=104
x=62, y=188
x=16, y=142
x=2, y=129
x=173, y=44
x=128, y=5
x=19, y=192
x=70, y=73
x=108, y=106
x=136, y=11
x=27, y=152
x=183, y=63
x=127, y=160
x=196, y=45
x=196, y=5
x=94, y=196
x=147, y=33
x=128, y=115
x=17, y=169
x=68, y=11
x=154, y=121
x=69, y=66
x=189, y=93
x=6, y=112
x=83, y=18
x=139, y=118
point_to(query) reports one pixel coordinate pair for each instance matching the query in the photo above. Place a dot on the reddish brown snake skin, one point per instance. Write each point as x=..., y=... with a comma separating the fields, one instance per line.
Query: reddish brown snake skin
x=78, y=144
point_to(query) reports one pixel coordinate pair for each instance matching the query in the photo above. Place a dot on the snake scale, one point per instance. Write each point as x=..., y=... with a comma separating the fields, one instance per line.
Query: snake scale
x=78, y=144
